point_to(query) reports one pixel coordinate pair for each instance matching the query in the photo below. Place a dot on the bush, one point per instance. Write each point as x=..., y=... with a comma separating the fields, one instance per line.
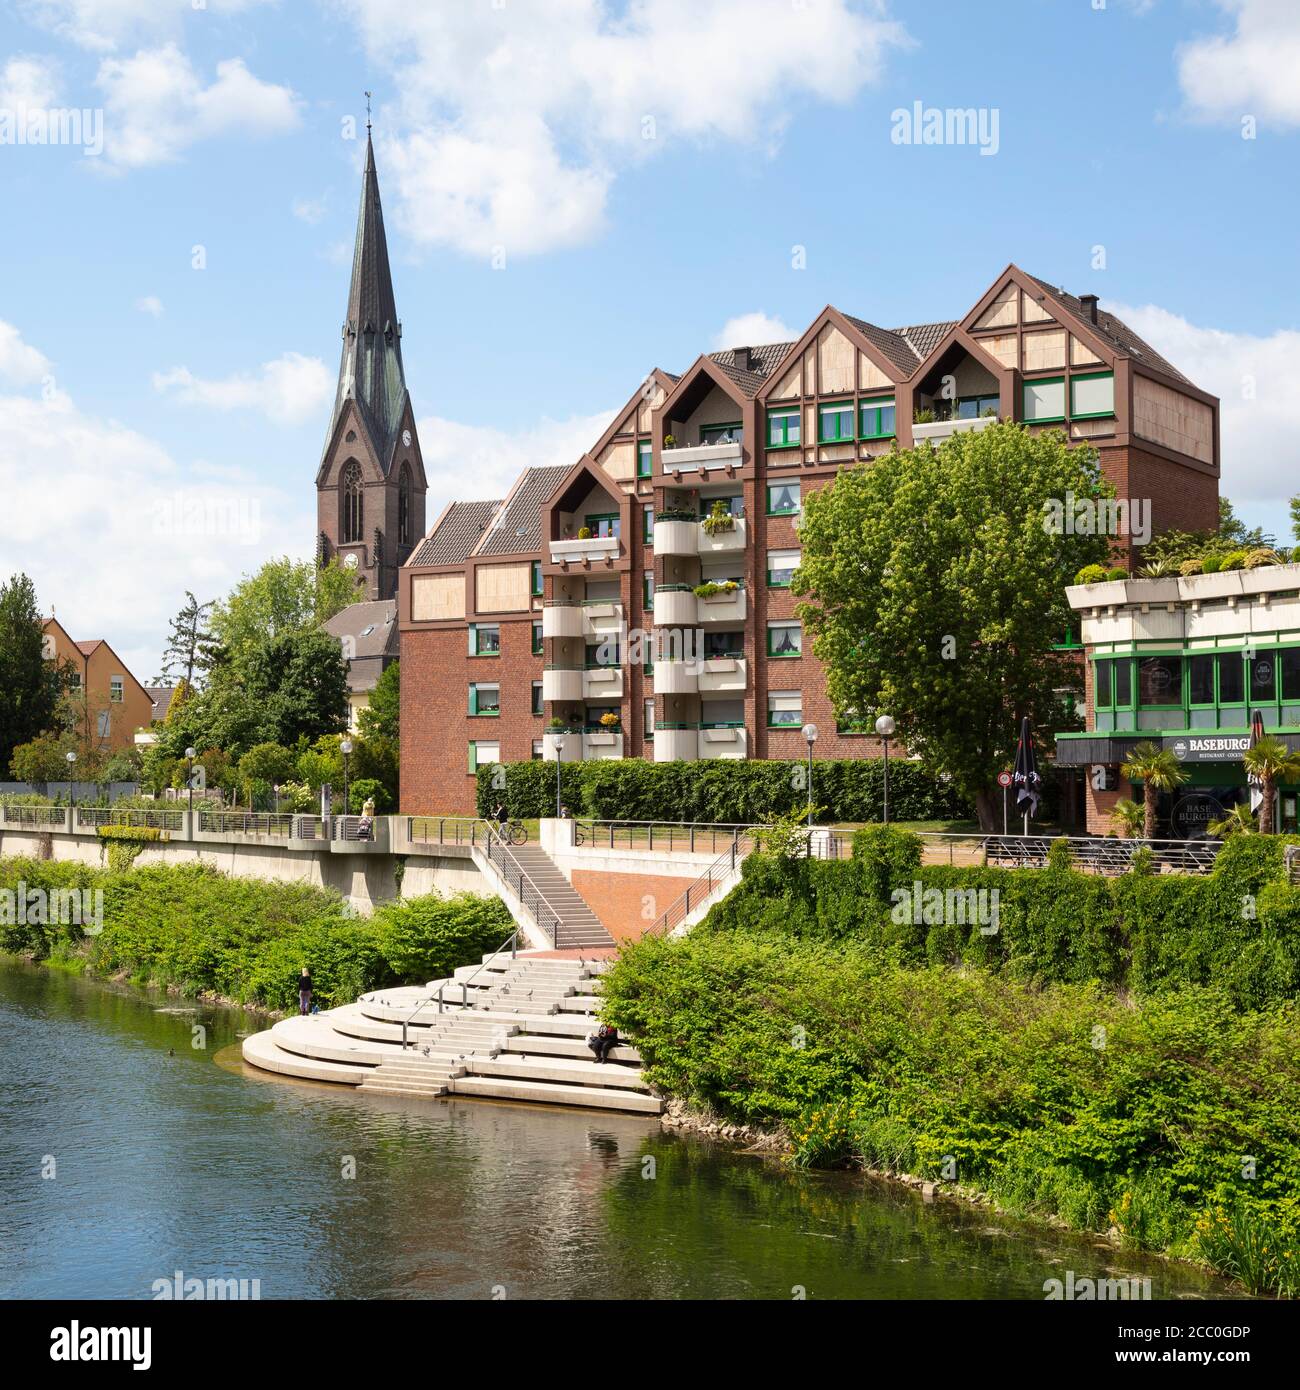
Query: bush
x=1091, y=574
x=1117, y=572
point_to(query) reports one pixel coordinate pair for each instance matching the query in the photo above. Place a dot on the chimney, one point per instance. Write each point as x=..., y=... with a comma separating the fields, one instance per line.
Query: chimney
x=742, y=359
x=1089, y=302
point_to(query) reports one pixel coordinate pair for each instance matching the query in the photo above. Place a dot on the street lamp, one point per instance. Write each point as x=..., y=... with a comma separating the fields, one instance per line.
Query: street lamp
x=885, y=727
x=809, y=732
x=190, y=755
x=72, y=785
x=557, y=743
x=346, y=749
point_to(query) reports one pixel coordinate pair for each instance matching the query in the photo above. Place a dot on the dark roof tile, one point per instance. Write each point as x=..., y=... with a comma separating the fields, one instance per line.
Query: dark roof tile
x=453, y=539
x=517, y=528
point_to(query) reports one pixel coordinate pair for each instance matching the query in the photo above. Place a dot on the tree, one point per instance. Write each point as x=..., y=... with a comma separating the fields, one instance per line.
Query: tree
x=267, y=763
x=42, y=759
x=301, y=682
x=1158, y=770
x=191, y=648
x=381, y=718
x=1271, y=762
x=283, y=598
x=1238, y=821
x=1170, y=548
x=1128, y=818
x=31, y=685
x=1295, y=520
x=935, y=584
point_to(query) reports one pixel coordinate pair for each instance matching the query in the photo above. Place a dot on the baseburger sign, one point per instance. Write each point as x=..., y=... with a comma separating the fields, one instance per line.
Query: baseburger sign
x=1208, y=748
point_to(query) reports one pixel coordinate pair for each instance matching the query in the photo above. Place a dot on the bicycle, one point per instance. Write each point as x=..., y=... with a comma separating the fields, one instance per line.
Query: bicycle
x=514, y=832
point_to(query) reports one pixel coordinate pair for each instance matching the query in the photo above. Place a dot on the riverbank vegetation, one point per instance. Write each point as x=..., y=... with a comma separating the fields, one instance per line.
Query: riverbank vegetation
x=197, y=930
x=1120, y=1055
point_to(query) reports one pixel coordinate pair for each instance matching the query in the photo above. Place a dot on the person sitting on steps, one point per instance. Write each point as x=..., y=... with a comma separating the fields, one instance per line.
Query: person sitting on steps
x=603, y=1041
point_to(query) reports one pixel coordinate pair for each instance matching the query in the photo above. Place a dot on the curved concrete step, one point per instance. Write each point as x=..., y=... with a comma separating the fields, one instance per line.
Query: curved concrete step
x=610, y=1075
x=550, y=1093
x=261, y=1050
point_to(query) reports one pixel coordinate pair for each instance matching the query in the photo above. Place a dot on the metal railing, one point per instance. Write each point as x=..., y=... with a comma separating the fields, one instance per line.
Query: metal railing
x=33, y=815
x=705, y=838
x=246, y=823
x=1291, y=862
x=444, y=830
x=503, y=860
x=721, y=869
x=1088, y=853
x=95, y=816
x=352, y=828
x=512, y=941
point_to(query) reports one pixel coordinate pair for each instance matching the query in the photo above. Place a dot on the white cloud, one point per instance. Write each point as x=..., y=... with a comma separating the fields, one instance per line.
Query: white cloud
x=28, y=83
x=752, y=330
x=150, y=304
x=290, y=390
x=468, y=462
x=516, y=120
x=156, y=106
x=100, y=25
x=309, y=210
x=1250, y=72
x=117, y=498
x=20, y=363
x=1255, y=380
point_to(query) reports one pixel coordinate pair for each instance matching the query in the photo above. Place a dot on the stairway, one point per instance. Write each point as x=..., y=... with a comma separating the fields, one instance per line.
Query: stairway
x=578, y=924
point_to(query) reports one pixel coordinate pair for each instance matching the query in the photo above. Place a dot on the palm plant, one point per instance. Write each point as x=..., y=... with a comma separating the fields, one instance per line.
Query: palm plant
x=1239, y=821
x=1128, y=818
x=1159, y=771
x=1271, y=762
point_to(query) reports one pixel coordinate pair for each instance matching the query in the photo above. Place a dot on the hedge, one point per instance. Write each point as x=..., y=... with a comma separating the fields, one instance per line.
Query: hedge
x=721, y=790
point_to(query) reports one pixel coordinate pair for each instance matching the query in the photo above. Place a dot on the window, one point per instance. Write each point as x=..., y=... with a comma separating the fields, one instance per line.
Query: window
x=782, y=499
x=781, y=565
x=1289, y=660
x=483, y=754
x=537, y=697
x=1103, y=694
x=115, y=689
x=104, y=723
x=648, y=592
x=404, y=506
x=648, y=718
x=784, y=709
x=538, y=753
x=876, y=419
x=784, y=639
x=1263, y=678
x=535, y=574
x=648, y=525
x=484, y=639
x=484, y=698
x=1092, y=395
x=724, y=644
x=351, y=517
x=1045, y=400
x=972, y=407
x=721, y=434
x=1201, y=680
x=603, y=524
x=75, y=687
x=835, y=422
x=538, y=640
x=1232, y=679
x=644, y=459
x=1123, y=683
x=1114, y=684
x=601, y=654
x=733, y=506
x=783, y=428
x=1160, y=681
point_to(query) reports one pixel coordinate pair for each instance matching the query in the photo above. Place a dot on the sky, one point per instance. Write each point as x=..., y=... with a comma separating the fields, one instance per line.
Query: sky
x=575, y=192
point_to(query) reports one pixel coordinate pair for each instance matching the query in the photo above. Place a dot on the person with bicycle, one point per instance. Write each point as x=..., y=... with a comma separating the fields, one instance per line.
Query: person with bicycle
x=502, y=818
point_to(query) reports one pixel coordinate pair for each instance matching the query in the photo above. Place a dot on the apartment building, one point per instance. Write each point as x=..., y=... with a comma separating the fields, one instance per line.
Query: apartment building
x=108, y=702
x=637, y=603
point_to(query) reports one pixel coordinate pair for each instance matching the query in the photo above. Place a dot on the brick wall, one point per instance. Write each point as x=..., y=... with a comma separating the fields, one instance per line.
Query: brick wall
x=628, y=903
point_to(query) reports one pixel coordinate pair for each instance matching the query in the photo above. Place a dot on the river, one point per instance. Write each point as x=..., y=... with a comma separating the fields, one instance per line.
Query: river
x=128, y=1154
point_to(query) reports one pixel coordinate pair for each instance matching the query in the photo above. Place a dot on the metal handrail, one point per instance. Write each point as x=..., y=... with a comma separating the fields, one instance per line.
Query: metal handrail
x=246, y=822
x=33, y=815
x=607, y=834
x=99, y=815
x=465, y=827
x=682, y=907
x=512, y=941
x=493, y=844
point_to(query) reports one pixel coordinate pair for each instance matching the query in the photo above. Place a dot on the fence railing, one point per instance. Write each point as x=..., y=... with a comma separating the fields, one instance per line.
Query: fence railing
x=502, y=858
x=1088, y=853
x=511, y=943
x=246, y=823
x=34, y=815
x=718, y=872
x=444, y=830
x=660, y=835
x=93, y=817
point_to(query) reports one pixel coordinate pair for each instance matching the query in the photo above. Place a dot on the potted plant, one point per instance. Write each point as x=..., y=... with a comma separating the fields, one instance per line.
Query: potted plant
x=712, y=590
x=719, y=519
x=670, y=441
x=610, y=720
x=584, y=533
x=924, y=416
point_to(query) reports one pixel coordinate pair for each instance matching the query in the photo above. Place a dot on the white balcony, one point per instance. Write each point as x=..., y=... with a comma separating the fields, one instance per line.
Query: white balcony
x=676, y=677
x=569, y=747
x=562, y=620
x=722, y=743
x=723, y=542
x=721, y=675
x=563, y=683
x=675, y=744
x=694, y=458
x=675, y=607
x=937, y=430
x=602, y=683
x=593, y=550
x=602, y=618
x=602, y=743
x=677, y=537
x=726, y=607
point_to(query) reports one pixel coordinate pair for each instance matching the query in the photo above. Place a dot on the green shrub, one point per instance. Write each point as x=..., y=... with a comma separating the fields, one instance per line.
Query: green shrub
x=1091, y=574
x=1117, y=572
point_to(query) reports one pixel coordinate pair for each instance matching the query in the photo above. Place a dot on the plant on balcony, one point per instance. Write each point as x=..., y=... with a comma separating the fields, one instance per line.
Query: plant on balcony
x=1190, y=567
x=1264, y=555
x=925, y=416
x=610, y=720
x=989, y=413
x=584, y=533
x=1158, y=569
x=556, y=724
x=1211, y=564
x=711, y=590
x=675, y=514
x=718, y=520
x=1233, y=560
x=670, y=441
x=1117, y=572
x=1091, y=574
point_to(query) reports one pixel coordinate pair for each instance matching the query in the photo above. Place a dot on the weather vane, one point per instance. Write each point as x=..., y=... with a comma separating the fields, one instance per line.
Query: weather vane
x=368, y=110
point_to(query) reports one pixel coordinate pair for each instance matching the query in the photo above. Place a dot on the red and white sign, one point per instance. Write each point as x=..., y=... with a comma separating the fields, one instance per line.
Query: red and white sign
x=1004, y=779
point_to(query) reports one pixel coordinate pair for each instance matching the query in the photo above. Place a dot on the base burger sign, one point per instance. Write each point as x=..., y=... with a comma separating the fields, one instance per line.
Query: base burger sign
x=1208, y=748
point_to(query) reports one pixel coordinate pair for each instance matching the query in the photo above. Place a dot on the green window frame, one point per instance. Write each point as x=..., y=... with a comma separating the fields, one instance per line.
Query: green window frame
x=485, y=639
x=785, y=627
x=539, y=641
x=1199, y=665
x=1151, y=681
x=1026, y=397
x=1232, y=665
x=648, y=718
x=1113, y=676
x=835, y=422
x=788, y=718
x=713, y=434
x=877, y=418
x=773, y=582
x=473, y=753
x=648, y=524
x=645, y=459
x=603, y=524
x=785, y=427
x=476, y=702
x=535, y=578
x=538, y=703
x=648, y=592
x=1076, y=414
x=794, y=508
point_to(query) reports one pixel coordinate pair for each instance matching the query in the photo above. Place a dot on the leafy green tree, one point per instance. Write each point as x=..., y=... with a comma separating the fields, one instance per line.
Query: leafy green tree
x=1295, y=519
x=1159, y=770
x=934, y=585
x=1128, y=818
x=191, y=649
x=31, y=686
x=301, y=682
x=382, y=716
x=283, y=598
x=42, y=759
x=268, y=763
x=1272, y=762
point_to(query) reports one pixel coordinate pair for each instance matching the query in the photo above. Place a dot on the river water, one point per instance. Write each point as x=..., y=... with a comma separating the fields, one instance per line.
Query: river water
x=127, y=1155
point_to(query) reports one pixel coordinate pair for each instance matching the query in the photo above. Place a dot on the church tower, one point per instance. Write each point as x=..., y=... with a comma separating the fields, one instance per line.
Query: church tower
x=370, y=490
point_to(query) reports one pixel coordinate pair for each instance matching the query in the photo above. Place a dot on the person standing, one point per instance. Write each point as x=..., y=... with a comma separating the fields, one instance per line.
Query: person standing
x=304, y=992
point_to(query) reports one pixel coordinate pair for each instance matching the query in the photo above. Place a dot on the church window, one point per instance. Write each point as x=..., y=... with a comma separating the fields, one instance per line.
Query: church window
x=352, y=510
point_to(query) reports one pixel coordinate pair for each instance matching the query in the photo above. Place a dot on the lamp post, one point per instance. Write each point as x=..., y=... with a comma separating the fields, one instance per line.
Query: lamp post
x=190, y=755
x=809, y=732
x=885, y=727
x=557, y=743
x=346, y=749
x=72, y=785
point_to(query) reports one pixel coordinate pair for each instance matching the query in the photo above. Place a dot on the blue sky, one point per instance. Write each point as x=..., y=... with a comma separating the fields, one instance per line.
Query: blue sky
x=576, y=192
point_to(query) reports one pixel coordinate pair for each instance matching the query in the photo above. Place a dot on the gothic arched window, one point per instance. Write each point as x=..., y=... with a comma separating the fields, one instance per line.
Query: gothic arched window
x=351, y=511
x=404, y=506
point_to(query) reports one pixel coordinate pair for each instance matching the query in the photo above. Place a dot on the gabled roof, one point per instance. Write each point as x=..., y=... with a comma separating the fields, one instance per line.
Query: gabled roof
x=371, y=625
x=455, y=534
x=923, y=337
x=517, y=527
x=88, y=648
x=762, y=362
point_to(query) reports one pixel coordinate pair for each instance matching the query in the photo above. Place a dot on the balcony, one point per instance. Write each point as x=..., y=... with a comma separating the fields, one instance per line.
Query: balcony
x=600, y=743
x=722, y=741
x=569, y=739
x=696, y=458
x=675, y=742
x=722, y=675
x=675, y=605
x=563, y=683
x=602, y=683
x=601, y=617
x=676, y=677
x=725, y=606
x=562, y=618
x=677, y=533
x=727, y=542
x=592, y=550
x=938, y=430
